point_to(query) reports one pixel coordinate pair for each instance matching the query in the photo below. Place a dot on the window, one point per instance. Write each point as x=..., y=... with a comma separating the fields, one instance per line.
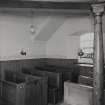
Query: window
x=86, y=44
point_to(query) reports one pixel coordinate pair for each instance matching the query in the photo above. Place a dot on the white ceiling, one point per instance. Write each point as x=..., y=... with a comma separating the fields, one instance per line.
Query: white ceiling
x=49, y=24
x=49, y=27
x=66, y=25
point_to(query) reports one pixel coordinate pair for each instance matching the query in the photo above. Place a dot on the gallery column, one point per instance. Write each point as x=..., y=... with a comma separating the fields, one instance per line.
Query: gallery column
x=98, y=92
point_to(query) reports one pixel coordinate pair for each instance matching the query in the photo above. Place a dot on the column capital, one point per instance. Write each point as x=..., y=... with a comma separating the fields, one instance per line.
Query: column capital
x=98, y=9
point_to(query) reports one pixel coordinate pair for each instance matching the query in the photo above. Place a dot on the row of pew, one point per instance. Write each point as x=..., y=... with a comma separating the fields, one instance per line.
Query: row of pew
x=33, y=86
x=21, y=89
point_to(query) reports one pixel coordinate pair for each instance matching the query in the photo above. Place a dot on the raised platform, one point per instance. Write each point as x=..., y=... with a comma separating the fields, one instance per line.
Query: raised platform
x=76, y=94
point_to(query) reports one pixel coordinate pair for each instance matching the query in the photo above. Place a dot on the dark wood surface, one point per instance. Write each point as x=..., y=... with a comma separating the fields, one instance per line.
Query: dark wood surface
x=45, y=4
x=14, y=91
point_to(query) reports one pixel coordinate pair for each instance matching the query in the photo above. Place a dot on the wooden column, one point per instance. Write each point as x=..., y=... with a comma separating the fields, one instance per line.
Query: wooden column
x=98, y=92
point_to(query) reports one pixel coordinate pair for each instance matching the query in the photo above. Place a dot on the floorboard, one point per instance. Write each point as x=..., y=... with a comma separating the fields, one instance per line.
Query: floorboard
x=61, y=103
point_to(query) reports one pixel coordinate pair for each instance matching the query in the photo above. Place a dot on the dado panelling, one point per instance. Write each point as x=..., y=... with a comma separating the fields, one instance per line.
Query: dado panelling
x=17, y=65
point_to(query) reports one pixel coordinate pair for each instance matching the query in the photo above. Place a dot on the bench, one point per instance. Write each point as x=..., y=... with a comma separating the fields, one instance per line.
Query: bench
x=68, y=73
x=19, y=89
x=44, y=83
x=54, y=83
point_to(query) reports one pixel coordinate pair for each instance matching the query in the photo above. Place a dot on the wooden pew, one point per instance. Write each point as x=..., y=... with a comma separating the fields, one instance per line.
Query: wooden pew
x=54, y=84
x=44, y=83
x=68, y=73
x=19, y=89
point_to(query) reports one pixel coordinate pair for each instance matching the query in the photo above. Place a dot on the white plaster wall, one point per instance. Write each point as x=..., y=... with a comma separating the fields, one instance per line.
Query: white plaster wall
x=64, y=43
x=66, y=40
x=15, y=35
x=63, y=47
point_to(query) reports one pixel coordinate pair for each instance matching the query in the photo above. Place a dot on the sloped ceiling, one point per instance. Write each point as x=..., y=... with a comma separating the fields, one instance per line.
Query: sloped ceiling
x=51, y=24
x=49, y=27
x=69, y=26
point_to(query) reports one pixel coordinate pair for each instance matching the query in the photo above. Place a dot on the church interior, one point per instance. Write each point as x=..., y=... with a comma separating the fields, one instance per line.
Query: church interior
x=52, y=52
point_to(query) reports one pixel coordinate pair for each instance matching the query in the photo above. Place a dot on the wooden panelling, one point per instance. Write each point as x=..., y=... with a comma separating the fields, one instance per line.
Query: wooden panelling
x=86, y=71
x=60, y=62
x=44, y=85
x=0, y=71
x=20, y=89
x=17, y=65
x=86, y=81
x=45, y=4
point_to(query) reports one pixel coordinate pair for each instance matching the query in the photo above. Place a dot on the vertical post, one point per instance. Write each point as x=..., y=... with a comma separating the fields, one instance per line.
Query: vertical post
x=98, y=92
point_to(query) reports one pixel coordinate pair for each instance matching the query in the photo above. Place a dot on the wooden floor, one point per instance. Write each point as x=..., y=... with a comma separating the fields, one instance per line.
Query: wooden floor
x=62, y=103
x=48, y=104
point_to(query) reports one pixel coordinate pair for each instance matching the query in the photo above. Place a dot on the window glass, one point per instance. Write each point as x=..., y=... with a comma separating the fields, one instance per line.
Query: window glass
x=86, y=44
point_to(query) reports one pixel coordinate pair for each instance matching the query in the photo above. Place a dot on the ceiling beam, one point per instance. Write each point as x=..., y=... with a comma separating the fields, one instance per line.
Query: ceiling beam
x=45, y=4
